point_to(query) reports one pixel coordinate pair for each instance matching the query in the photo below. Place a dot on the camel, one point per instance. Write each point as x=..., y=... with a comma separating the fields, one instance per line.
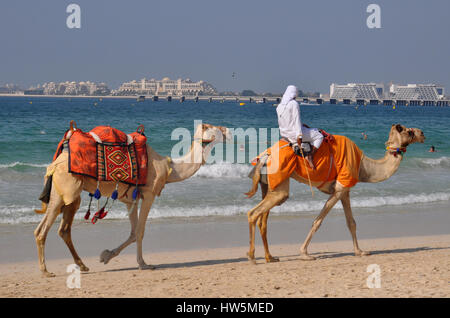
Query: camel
x=66, y=189
x=370, y=171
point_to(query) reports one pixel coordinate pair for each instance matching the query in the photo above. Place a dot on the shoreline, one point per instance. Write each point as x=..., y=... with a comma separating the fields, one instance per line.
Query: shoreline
x=409, y=267
x=181, y=234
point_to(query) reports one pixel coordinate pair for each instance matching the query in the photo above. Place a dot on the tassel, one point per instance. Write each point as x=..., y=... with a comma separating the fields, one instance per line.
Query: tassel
x=114, y=195
x=97, y=194
x=135, y=196
x=100, y=214
x=88, y=213
x=97, y=215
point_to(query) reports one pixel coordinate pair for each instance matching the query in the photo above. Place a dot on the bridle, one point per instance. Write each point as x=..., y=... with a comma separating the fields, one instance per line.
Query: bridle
x=395, y=151
x=205, y=142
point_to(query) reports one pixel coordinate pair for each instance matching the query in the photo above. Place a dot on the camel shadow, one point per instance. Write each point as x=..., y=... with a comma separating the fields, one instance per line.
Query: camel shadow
x=380, y=252
x=186, y=264
x=283, y=258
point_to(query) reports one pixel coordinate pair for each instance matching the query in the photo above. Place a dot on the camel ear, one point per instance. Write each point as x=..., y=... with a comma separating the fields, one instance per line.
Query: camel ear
x=399, y=128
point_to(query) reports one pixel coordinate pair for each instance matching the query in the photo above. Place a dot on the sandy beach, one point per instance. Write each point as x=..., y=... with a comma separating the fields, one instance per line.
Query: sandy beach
x=409, y=267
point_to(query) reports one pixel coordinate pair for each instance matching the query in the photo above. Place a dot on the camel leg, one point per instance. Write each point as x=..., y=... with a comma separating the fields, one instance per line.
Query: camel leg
x=107, y=255
x=143, y=214
x=335, y=197
x=351, y=223
x=65, y=231
x=273, y=198
x=40, y=234
x=262, y=224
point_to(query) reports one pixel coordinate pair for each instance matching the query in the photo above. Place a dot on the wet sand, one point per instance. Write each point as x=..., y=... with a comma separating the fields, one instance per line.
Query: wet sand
x=206, y=258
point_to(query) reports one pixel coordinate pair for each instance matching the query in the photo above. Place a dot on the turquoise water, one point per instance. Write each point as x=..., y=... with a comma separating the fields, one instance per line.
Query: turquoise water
x=30, y=129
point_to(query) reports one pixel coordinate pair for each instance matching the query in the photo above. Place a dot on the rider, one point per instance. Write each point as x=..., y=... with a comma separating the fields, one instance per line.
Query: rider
x=291, y=127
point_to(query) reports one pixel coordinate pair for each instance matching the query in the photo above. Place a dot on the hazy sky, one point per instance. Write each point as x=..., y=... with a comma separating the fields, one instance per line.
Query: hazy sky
x=268, y=44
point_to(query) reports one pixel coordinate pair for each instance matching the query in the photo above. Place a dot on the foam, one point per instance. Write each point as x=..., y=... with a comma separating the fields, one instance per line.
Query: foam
x=21, y=164
x=17, y=214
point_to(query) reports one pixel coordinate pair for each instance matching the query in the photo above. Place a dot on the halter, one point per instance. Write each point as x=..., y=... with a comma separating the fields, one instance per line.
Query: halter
x=396, y=150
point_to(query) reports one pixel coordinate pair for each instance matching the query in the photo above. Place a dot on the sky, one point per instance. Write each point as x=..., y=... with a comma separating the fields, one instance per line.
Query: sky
x=267, y=44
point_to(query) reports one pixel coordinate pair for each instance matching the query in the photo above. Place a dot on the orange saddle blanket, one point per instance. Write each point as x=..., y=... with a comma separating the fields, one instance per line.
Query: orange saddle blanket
x=335, y=160
x=107, y=154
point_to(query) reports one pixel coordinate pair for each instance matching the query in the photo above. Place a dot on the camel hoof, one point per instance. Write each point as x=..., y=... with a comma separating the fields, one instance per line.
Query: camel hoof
x=251, y=258
x=106, y=256
x=272, y=259
x=146, y=267
x=48, y=274
x=307, y=257
x=362, y=253
x=84, y=268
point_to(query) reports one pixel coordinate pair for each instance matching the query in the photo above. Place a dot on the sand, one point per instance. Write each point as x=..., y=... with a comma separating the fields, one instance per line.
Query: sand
x=409, y=267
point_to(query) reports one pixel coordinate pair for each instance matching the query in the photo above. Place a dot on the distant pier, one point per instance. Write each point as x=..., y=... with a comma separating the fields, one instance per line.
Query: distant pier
x=260, y=99
x=304, y=100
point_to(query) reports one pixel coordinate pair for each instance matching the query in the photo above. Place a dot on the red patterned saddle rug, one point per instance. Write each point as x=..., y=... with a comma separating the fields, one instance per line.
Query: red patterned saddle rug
x=107, y=154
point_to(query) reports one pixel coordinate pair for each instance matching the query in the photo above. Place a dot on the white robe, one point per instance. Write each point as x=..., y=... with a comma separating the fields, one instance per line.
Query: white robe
x=289, y=120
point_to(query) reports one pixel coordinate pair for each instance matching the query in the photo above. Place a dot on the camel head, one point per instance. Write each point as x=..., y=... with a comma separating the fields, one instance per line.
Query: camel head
x=212, y=134
x=402, y=137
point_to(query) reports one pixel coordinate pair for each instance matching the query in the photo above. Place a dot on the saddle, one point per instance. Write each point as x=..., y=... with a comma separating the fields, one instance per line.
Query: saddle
x=306, y=147
x=107, y=154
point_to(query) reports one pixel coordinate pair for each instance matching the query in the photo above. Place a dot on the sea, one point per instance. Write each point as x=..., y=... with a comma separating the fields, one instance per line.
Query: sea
x=31, y=127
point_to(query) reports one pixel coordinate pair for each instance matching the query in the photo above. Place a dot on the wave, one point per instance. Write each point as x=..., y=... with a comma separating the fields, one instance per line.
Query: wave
x=22, y=164
x=241, y=170
x=224, y=170
x=17, y=214
x=430, y=163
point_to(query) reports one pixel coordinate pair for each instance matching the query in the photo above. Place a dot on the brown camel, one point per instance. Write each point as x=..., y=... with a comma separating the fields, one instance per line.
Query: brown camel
x=370, y=171
x=67, y=187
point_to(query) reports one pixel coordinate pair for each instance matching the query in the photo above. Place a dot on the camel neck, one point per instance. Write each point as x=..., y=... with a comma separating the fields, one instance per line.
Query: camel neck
x=186, y=166
x=378, y=170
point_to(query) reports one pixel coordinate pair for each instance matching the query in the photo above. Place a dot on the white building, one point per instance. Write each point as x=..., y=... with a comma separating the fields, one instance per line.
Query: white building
x=429, y=92
x=357, y=91
x=166, y=86
x=73, y=88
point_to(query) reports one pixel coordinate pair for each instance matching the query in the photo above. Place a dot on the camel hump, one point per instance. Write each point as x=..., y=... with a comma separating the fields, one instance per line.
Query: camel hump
x=109, y=134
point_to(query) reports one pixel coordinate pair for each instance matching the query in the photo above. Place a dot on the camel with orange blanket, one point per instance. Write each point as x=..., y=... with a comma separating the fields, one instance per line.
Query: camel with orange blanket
x=340, y=165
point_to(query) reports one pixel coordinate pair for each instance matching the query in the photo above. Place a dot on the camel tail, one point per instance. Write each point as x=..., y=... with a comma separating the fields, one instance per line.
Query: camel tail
x=255, y=180
x=45, y=195
x=42, y=210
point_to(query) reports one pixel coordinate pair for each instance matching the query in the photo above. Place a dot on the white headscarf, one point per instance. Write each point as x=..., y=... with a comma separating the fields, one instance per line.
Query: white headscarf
x=289, y=115
x=290, y=93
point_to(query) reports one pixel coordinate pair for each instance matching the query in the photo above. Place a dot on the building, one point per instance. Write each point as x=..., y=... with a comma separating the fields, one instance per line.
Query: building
x=429, y=92
x=166, y=86
x=73, y=88
x=357, y=91
x=10, y=89
x=372, y=91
